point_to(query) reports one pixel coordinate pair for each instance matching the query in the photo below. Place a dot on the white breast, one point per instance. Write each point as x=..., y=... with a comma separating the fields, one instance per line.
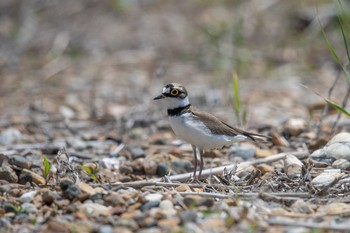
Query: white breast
x=196, y=133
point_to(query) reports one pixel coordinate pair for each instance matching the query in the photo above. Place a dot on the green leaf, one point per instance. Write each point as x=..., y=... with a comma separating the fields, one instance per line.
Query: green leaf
x=337, y=107
x=329, y=46
x=330, y=102
x=88, y=170
x=47, y=167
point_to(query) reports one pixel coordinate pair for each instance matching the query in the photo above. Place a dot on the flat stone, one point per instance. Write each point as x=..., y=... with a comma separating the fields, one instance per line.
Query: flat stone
x=35, y=178
x=95, y=210
x=28, y=196
x=20, y=161
x=149, y=205
x=153, y=197
x=8, y=174
x=188, y=216
x=114, y=199
x=169, y=223
x=245, y=152
x=137, y=152
x=53, y=226
x=342, y=164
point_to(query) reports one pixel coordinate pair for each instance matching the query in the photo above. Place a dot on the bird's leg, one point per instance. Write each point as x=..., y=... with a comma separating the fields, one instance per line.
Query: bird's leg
x=201, y=163
x=195, y=161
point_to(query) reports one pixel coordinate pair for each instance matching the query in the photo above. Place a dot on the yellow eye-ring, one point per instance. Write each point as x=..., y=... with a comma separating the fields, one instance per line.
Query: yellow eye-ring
x=174, y=92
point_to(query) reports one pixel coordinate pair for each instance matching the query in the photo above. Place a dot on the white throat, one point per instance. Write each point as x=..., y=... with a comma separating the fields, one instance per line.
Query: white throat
x=172, y=103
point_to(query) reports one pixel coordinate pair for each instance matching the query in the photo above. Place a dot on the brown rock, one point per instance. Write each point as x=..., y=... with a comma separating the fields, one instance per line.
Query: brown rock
x=8, y=174
x=264, y=168
x=260, y=153
x=150, y=166
x=169, y=223
x=37, y=179
x=53, y=226
x=114, y=199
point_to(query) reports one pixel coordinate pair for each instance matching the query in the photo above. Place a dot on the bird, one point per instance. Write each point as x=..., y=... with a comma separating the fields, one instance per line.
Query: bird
x=202, y=130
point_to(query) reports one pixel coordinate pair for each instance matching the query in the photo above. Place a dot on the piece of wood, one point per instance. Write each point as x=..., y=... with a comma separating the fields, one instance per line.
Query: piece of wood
x=219, y=170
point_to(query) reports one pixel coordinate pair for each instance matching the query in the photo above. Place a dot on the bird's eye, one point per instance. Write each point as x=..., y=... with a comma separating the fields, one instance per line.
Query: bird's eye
x=174, y=92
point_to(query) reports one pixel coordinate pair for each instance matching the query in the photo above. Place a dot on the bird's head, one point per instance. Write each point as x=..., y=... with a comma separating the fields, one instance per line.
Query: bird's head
x=174, y=95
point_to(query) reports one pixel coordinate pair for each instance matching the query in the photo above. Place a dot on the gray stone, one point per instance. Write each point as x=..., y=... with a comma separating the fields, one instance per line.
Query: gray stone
x=28, y=196
x=244, y=152
x=149, y=205
x=71, y=192
x=20, y=161
x=8, y=174
x=10, y=136
x=337, y=148
x=342, y=164
x=162, y=169
x=188, y=216
x=181, y=166
x=137, y=152
x=29, y=208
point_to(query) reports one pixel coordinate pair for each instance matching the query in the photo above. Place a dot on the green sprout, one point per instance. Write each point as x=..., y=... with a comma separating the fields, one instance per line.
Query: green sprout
x=91, y=172
x=47, y=167
x=241, y=113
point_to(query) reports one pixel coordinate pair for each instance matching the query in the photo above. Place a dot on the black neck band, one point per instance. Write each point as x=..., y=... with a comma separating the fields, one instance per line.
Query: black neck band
x=177, y=111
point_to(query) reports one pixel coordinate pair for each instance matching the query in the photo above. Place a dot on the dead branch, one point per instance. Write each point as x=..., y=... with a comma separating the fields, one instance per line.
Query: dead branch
x=219, y=170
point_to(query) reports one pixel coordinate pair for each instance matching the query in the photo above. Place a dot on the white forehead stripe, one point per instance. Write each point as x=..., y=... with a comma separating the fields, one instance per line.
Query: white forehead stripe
x=166, y=90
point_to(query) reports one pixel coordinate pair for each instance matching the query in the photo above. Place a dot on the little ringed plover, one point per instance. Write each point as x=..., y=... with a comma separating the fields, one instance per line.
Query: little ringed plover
x=200, y=129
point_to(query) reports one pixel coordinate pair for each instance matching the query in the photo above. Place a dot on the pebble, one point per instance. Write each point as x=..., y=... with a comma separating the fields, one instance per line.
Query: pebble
x=10, y=208
x=94, y=209
x=192, y=227
x=181, y=166
x=208, y=202
x=137, y=152
x=8, y=174
x=130, y=224
x=32, y=176
x=20, y=161
x=326, y=179
x=153, y=197
x=337, y=148
x=162, y=169
x=29, y=208
x=245, y=152
x=149, y=205
x=188, y=216
x=71, y=192
x=10, y=136
x=48, y=197
x=169, y=223
x=28, y=196
x=150, y=166
x=110, y=163
x=53, y=226
x=342, y=164
x=167, y=208
x=114, y=199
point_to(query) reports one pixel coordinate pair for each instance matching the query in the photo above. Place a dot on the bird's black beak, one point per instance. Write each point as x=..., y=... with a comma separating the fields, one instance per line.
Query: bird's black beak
x=161, y=96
